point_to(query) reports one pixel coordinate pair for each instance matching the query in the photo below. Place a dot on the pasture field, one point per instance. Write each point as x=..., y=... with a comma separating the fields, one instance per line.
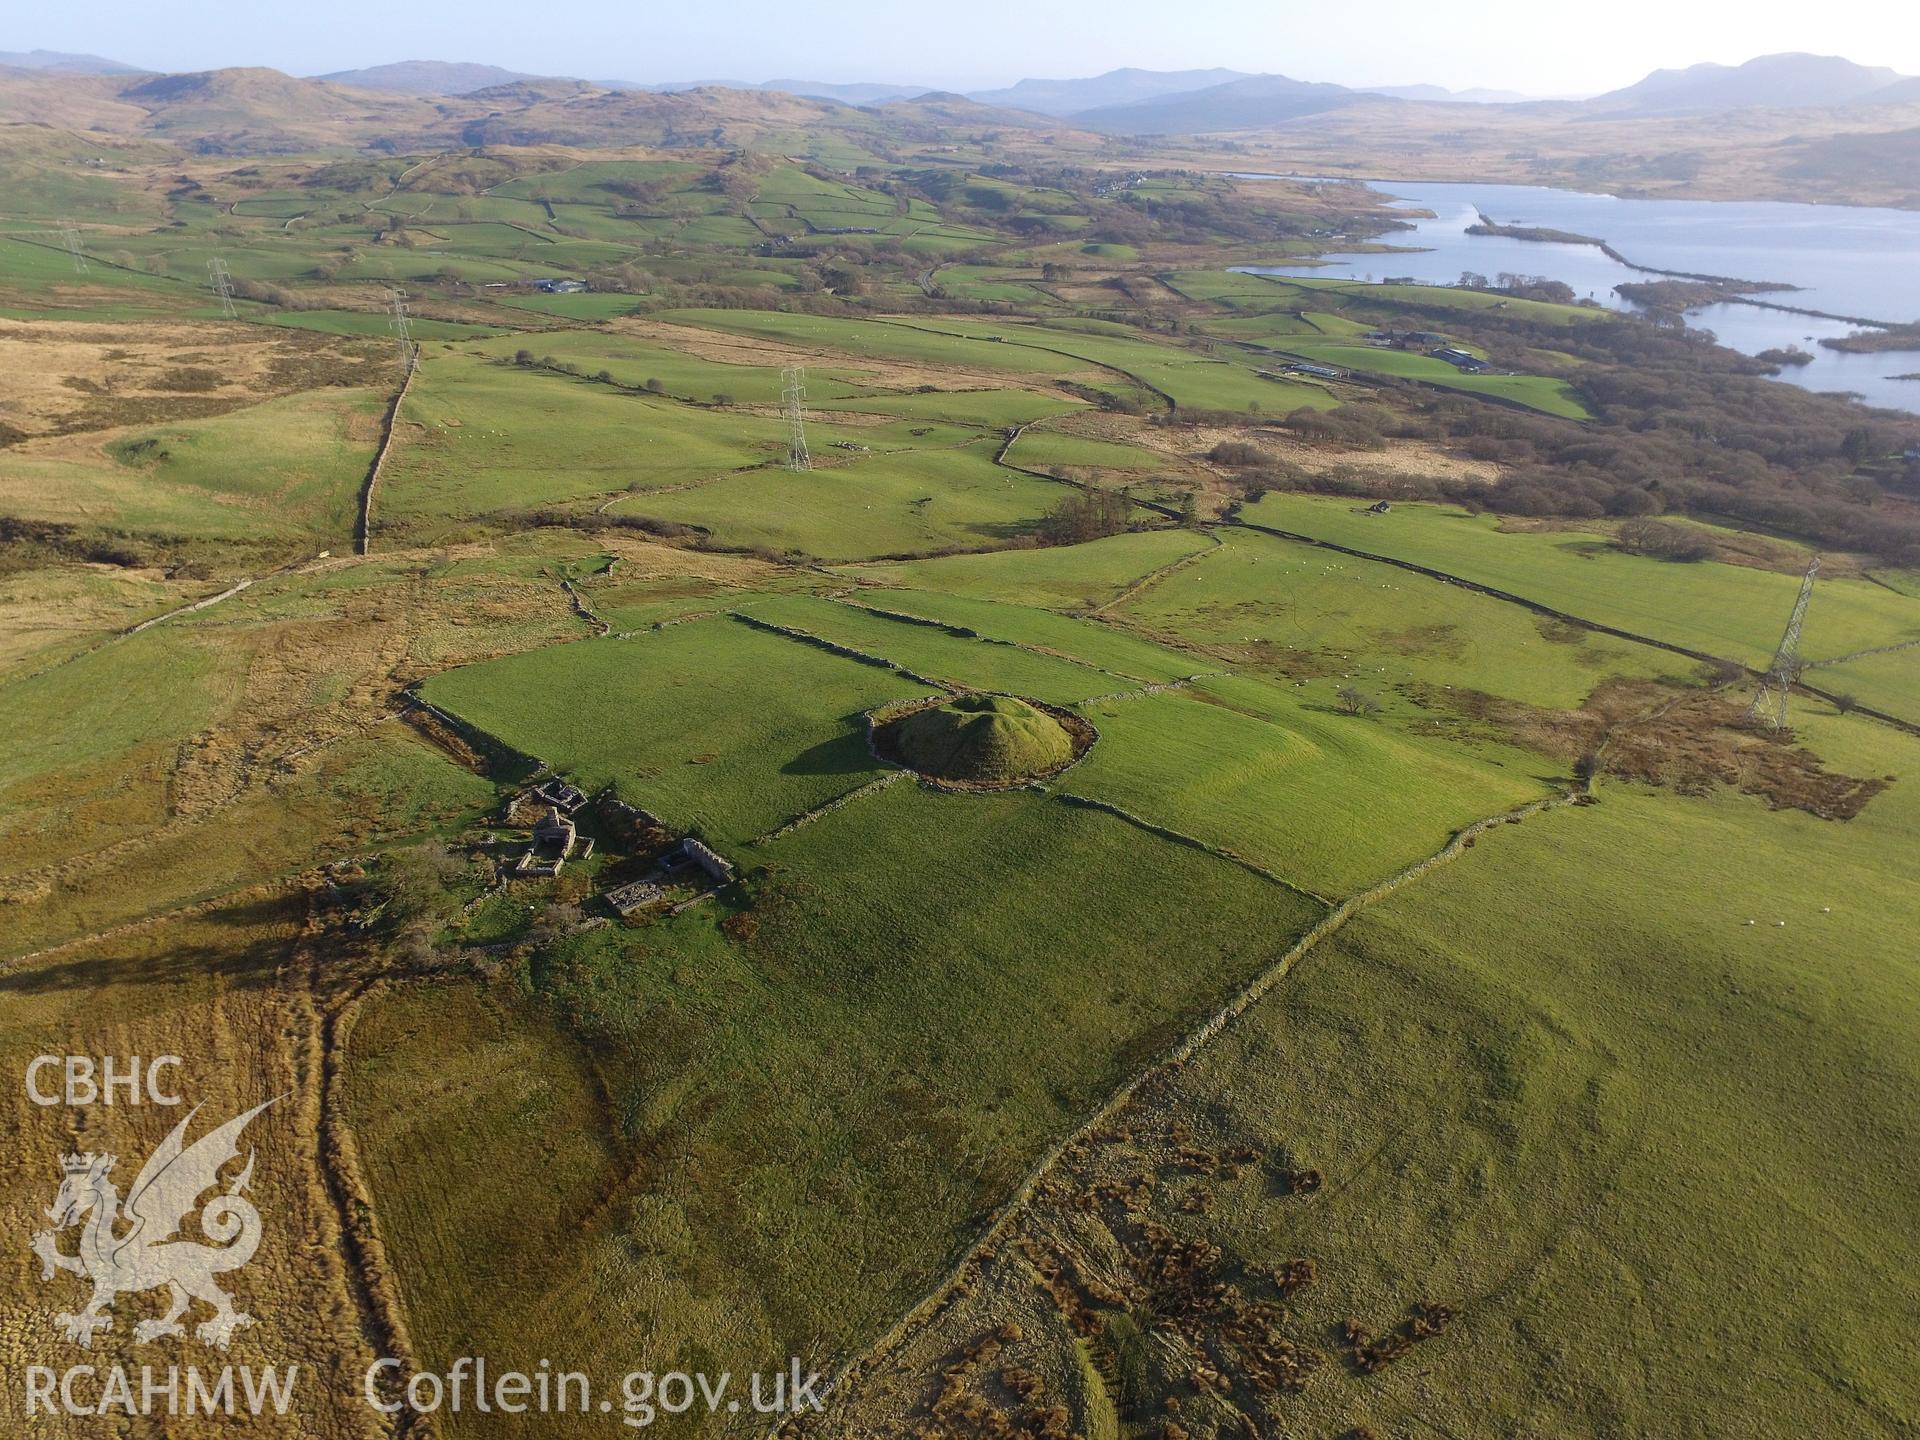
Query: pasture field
x=899, y=503
x=882, y=340
x=632, y=362
x=1106, y=646
x=1323, y=621
x=1078, y=578
x=661, y=718
x=1383, y=934
x=1041, y=449
x=1731, y=610
x=1889, y=682
x=1189, y=379
x=288, y=468
x=960, y=407
x=913, y=1017
x=1277, y=780
x=1582, y=1062
x=1330, y=293
x=1551, y=397
x=1529, y=1082
x=957, y=660
x=484, y=438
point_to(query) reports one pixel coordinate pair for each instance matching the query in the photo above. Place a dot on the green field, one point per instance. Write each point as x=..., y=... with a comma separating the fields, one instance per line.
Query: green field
x=1538, y=1078
x=963, y=661
x=899, y=503
x=1731, y=610
x=1277, y=780
x=1323, y=621
x=1273, y=937
x=881, y=340
x=914, y=1017
x=282, y=469
x=490, y=439
x=1076, y=578
x=712, y=725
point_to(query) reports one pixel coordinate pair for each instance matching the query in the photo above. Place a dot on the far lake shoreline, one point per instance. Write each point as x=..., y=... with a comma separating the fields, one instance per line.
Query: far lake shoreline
x=1840, y=262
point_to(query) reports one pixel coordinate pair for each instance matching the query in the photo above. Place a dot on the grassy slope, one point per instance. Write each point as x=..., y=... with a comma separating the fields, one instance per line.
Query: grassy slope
x=710, y=724
x=1725, y=609
x=897, y=503
x=1079, y=577
x=1331, y=801
x=284, y=468
x=1106, y=646
x=1660, y=1159
x=1330, y=620
x=974, y=664
x=487, y=438
x=815, y=1115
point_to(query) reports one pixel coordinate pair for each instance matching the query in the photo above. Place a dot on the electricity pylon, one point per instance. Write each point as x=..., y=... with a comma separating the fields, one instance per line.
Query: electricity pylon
x=1769, y=706
x=793, y=405
x=401, y=323
x=71, y=236
x=222, y=281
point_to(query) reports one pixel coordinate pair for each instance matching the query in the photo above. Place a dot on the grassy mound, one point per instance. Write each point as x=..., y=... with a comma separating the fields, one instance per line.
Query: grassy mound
x=984, y=740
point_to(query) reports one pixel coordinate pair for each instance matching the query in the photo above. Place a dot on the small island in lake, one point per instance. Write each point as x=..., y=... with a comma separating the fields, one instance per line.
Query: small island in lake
x=1541, y=234
x=1875, y=342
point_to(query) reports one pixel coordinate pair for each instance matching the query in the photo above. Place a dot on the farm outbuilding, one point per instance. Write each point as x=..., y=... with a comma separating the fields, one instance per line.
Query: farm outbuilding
x=1460, y=359
x=555, y=841
x=692, y=852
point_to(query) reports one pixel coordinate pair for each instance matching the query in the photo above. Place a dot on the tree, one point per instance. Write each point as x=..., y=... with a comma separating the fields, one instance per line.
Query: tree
x=654, y=385
x=1860, y=445
x=1088, y=515
x=1355, y=702
x=1664, y=541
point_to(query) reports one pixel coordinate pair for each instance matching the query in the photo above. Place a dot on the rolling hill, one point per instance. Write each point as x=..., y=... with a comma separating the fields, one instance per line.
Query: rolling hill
x=60, y=62
x=1116, y=87
x=1769, y=82
x=427, y=77
x=1249, y=104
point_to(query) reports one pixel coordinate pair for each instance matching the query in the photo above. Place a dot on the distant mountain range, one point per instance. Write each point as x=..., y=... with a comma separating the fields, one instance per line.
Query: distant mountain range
x=61, y=63
x=1101, y=101
x=257, y=108
x=1169, y=102
x=429, y=77
x=1250, y=104
x=1256, y=102
x=1116, y=87
x=1773, y=82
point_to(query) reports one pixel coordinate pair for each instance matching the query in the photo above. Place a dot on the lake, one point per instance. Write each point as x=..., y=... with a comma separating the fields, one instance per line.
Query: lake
x=1844, y=260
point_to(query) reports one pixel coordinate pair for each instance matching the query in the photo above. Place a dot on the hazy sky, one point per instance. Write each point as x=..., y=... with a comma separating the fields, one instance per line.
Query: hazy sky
x=1537, y=46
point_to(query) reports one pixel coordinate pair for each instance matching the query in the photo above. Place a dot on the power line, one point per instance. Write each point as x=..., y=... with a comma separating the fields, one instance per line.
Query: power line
x=1769, y=706
x=401, y=323
x=70, y=236
x=222, y=281
x=793, y=405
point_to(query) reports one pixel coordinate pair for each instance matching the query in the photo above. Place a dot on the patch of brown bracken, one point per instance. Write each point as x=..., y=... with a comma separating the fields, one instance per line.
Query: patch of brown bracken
x=1687, y=740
